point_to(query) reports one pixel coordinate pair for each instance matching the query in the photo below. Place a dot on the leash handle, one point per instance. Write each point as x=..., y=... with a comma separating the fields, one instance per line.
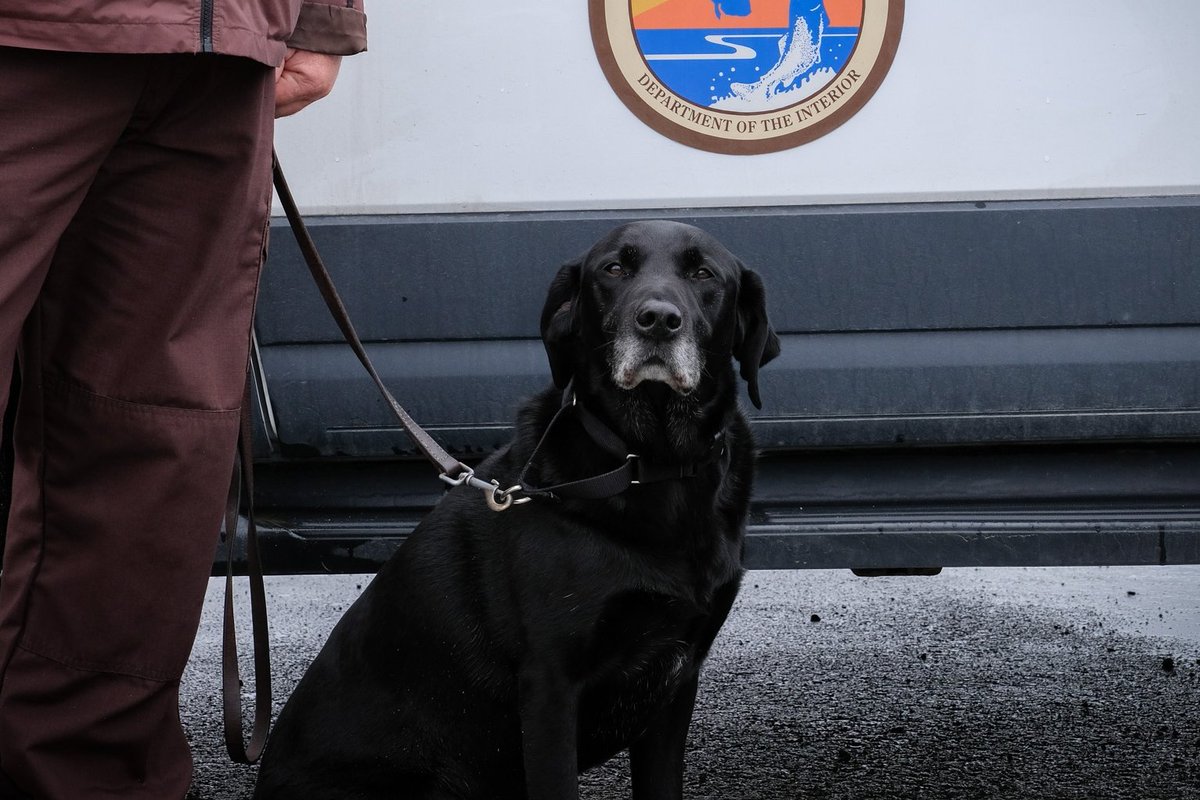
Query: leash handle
x=242, y=485
x=450, y=466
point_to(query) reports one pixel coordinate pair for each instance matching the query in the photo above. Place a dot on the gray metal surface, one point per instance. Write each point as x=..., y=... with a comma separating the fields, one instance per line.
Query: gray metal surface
x=827, y=269
x=940, y=323
x=922, y=346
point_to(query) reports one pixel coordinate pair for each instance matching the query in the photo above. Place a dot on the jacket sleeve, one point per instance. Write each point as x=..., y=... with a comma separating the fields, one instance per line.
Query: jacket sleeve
x=337, y=27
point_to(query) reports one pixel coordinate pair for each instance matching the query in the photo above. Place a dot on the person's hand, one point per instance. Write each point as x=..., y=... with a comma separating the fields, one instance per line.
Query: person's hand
x=303, y=78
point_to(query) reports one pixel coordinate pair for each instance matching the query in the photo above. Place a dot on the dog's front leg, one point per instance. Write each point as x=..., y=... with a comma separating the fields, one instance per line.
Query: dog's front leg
x=656, y=759
x=549, y=720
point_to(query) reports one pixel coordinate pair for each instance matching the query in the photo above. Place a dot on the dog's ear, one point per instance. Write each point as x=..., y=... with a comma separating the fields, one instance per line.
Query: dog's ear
x=558, y=323
x=754, y=341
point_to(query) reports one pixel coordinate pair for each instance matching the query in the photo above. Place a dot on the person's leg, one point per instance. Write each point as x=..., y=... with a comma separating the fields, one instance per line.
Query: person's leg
x=64, y=115
x=72, y=111
x=133, y=367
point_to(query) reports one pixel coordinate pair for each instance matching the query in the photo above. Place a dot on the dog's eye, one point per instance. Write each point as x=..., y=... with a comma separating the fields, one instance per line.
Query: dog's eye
x=615, y=269
x=701, y=274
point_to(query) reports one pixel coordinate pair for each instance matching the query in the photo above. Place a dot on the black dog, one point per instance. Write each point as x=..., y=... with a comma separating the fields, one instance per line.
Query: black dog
x=498, y=654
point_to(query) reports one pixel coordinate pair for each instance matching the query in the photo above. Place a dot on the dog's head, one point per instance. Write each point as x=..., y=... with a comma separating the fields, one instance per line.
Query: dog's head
x=657, y=301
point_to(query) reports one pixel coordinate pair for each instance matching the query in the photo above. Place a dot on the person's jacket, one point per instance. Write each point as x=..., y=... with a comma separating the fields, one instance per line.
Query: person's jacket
x=257, y=29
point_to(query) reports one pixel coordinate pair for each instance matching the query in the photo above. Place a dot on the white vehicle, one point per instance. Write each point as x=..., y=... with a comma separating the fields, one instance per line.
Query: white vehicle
x=978, y=224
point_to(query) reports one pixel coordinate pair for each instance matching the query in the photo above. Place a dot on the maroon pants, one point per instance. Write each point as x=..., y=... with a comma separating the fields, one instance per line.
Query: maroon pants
x=134, y=194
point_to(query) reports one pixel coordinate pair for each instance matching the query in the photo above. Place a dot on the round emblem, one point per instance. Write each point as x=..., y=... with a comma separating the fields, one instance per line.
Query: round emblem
x=745, y=76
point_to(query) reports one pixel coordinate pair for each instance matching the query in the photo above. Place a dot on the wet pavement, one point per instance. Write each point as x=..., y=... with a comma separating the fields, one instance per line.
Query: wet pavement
x=977, y=683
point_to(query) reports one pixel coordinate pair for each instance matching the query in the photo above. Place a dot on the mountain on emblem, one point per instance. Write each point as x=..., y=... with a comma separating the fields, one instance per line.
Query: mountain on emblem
x=746, y=56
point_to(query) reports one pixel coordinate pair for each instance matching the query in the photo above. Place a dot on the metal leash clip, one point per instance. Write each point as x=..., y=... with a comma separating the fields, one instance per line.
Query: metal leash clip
x=500, y=499
x=497, y=499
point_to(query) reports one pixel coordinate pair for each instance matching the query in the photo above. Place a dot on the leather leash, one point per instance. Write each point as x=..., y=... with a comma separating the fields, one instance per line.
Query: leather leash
x=453, y=472
x=242, y=488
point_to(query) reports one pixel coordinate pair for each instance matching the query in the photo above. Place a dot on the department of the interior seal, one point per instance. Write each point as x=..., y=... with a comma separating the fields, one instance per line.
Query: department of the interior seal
x=745, y=76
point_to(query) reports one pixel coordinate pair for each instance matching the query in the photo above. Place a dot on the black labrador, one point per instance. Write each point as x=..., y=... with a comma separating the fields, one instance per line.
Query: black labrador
x=496, y=655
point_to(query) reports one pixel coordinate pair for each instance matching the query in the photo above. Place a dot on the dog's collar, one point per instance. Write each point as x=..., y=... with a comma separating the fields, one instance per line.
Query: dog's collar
x=634, y=469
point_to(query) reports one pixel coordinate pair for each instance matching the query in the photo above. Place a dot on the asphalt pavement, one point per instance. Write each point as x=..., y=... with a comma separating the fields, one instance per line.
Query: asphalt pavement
x=977, y=683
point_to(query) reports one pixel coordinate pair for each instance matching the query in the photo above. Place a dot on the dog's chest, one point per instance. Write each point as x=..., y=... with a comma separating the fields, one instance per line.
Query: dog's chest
x=618, y=708
x=646, y=649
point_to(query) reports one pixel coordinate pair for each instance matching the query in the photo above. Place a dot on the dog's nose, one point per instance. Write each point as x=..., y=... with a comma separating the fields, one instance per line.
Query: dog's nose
x=659, y=319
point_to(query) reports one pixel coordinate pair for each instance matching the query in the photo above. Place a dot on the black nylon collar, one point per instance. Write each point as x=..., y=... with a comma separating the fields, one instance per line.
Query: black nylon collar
x=633, y=470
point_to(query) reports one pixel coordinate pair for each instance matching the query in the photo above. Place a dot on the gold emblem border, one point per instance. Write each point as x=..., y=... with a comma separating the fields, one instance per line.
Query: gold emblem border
x=738, y=133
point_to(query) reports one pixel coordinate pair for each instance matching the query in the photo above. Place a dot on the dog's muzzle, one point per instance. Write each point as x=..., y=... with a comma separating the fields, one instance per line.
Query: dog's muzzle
x=656, y=344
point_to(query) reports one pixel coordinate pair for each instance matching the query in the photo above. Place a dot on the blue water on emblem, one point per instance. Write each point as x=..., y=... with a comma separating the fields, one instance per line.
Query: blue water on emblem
x=747, y=70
